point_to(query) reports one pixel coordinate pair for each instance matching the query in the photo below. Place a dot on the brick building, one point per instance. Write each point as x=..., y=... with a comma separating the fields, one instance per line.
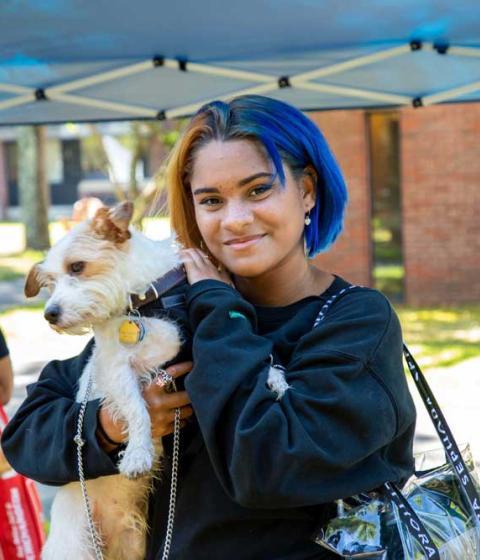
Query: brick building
x=439, y=204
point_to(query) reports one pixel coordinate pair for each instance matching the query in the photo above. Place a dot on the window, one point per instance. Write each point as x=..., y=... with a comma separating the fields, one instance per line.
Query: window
x=388, y=269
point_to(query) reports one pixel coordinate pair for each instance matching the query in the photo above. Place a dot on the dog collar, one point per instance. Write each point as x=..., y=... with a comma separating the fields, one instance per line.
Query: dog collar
x=157, y=288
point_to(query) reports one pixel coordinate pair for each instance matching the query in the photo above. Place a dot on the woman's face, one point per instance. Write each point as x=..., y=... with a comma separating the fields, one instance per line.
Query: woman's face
x=248, y=220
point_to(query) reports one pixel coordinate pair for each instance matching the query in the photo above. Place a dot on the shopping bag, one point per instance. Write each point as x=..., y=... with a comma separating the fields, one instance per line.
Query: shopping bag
x=435, y=515
x=21, y=520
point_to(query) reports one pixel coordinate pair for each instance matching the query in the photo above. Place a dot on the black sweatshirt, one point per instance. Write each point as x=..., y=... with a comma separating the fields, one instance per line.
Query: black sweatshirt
x=257, y=474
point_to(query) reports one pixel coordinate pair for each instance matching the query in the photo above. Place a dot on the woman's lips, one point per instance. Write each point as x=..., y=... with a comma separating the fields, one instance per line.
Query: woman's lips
x=243, y=242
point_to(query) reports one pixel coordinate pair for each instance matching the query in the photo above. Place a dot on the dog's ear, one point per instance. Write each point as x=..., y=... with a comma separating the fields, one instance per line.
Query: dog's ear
x=121, y=214
x=32, y=283
x=112, y=224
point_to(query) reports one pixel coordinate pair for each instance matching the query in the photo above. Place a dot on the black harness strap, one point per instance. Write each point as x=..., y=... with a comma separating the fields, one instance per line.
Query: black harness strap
x=158, y=288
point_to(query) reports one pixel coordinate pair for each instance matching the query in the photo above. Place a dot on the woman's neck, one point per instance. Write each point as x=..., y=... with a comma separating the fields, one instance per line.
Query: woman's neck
x=290, y=281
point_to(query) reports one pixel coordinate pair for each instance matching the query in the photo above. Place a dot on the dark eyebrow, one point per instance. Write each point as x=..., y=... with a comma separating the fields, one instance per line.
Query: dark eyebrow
x=240, y=183
x=253, y=177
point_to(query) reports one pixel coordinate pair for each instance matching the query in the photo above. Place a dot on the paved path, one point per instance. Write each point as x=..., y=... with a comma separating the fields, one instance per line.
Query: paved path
x=32, y=344
x=457, y=390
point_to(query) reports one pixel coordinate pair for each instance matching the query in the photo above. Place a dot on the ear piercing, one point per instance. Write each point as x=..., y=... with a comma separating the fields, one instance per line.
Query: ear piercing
x=308, y=221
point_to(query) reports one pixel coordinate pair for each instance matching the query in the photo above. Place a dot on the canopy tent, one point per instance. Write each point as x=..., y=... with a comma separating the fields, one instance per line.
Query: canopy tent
x=97, y=60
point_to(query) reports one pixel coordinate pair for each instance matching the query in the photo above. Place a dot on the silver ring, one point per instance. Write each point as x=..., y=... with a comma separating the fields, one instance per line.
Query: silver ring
x=165, y=380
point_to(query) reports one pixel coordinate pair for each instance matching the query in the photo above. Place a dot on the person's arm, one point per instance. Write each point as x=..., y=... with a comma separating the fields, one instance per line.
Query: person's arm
x=6, y=373
x=38, y=440
x=322, y=440
x=6, y=380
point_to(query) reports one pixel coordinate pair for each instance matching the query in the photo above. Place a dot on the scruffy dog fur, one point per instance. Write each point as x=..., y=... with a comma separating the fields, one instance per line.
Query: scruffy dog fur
x=89, y=275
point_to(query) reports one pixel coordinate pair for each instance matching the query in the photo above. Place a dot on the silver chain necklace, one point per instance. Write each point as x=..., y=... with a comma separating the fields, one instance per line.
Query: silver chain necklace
x=80, y=442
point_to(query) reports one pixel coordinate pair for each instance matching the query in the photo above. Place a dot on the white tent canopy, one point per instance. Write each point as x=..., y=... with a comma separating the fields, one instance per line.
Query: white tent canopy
x=99, y=61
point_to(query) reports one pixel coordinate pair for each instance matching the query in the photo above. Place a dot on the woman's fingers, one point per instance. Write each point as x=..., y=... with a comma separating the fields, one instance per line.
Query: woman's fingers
x=168, y=429
x=157, y=398
x=199, y=266
x=177, y=370
x=167, y=424
x=185, y=413
x=176, y=400
x=160, y=385
x=197, y=258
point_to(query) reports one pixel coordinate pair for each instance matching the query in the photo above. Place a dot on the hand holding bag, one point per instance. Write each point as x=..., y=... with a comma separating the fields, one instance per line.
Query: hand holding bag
x=435, y=516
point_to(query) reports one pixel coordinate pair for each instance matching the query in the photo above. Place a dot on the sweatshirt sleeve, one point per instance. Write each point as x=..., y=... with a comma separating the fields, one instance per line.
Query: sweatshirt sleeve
x=322, y=440
x=38, y=440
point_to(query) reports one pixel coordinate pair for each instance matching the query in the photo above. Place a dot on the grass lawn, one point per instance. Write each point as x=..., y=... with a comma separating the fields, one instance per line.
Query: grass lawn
x=441, y=337
x=34, y=308
x=17, y=266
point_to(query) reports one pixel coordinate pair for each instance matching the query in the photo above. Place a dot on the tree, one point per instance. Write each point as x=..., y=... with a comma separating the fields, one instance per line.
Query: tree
x=33, y=186
x=139, y=141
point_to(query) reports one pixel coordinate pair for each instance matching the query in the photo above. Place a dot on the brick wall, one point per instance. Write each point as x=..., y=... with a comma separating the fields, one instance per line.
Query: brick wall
x=350, y=256
x=440, y=155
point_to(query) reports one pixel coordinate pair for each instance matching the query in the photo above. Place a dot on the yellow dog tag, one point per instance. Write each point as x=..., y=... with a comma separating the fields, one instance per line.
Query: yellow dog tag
x=131, y=332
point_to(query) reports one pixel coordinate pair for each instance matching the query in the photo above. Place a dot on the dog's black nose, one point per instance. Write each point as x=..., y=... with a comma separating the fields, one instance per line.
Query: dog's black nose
x=52, y=314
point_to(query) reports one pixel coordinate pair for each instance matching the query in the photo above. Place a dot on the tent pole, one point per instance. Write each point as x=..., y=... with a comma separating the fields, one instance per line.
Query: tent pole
x=110, y=105
x=354, y=63
x=353, y=92
x=450, y=94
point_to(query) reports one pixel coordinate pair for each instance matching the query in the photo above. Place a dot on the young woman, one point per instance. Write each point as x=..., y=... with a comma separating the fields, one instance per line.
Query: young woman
x=254, y=193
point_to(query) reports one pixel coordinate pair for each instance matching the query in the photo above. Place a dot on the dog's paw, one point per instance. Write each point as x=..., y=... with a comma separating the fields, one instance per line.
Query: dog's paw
x=136, y=461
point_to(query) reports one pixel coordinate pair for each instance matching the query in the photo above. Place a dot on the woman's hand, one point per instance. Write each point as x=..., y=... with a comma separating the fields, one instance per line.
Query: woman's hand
x=161, y=407
x=199, y=267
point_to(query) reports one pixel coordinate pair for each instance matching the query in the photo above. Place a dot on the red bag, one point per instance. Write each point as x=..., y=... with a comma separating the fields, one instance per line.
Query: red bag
x=21, y=520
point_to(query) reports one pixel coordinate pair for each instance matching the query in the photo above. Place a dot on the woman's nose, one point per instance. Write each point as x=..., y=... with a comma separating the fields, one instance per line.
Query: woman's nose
x=237, y=216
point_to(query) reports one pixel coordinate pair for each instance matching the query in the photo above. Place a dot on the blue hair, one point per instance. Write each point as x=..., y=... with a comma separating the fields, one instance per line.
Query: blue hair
x=290, y=137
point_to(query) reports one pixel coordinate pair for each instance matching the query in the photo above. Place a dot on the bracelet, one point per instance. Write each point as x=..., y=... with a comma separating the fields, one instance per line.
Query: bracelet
x=104, y=435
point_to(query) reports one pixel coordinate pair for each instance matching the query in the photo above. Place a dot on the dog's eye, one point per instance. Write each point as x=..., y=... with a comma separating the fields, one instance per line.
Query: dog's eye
x=76, y=267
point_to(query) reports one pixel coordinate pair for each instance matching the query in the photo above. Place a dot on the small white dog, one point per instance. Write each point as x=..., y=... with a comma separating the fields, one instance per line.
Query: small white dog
x=90, y=274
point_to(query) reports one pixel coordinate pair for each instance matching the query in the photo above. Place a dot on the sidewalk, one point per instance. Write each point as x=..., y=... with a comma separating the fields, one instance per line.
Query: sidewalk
x=456, y=390
x=32, y=343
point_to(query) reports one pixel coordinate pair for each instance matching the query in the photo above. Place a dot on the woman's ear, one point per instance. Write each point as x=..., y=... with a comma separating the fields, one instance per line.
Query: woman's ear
x=309, y=187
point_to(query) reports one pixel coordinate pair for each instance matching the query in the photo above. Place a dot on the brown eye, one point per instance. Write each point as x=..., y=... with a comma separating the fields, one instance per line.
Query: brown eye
x=76, y=267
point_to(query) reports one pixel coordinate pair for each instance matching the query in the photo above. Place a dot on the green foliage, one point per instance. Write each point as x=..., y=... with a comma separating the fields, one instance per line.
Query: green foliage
x=139, y=141
x=93, y=154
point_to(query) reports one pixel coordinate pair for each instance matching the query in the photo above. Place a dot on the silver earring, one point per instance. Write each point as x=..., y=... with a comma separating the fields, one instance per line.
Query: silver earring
x=308, y=221
x=202, y=246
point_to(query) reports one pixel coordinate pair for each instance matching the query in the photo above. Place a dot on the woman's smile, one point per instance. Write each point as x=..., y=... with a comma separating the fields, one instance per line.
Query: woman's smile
x=241, y=243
